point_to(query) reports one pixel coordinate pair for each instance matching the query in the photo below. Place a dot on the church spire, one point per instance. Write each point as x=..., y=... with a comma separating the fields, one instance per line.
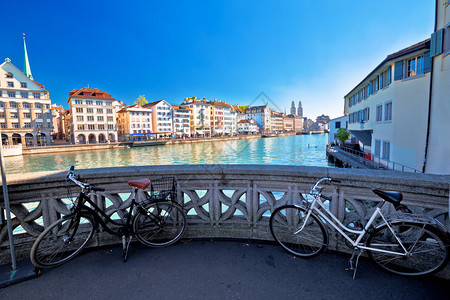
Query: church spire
x=26, y=63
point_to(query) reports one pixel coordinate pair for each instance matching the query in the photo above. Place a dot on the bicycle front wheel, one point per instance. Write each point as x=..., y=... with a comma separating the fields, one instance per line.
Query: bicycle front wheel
x=160, y=224
x=62, y=241
x=288, y=228
x=426, y=249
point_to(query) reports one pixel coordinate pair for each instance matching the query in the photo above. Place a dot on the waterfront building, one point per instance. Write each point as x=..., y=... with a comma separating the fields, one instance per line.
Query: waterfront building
x=134, y=123
x=181, y=119
x=162, y=117
x=58, y=113
x=288, y=124
x=324, y=121
x=200, y=121
x=300, y=109
x=247, y=127
x=437, y=140
x=233, y=120
x=297, y=122
x=276, y=121
x=261, y=115
x=388, y=109
x=93, y=114
x=334, y=125
x=25, y=115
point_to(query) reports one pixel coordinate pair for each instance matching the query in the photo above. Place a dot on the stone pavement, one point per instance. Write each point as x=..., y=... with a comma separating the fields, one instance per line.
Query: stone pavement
x=219, y=270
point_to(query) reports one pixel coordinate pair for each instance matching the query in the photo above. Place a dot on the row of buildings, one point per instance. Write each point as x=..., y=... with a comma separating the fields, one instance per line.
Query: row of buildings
x=28, y=117
x=400, y=111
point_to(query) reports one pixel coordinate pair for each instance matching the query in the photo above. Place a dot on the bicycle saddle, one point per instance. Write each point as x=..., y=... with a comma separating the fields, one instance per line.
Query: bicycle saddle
x=390, y=196
x=140, y=183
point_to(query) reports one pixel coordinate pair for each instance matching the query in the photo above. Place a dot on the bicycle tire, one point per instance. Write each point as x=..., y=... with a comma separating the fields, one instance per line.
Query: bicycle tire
x=53, y=248
x=426, y=244
x=309, y=242
x=162, y=224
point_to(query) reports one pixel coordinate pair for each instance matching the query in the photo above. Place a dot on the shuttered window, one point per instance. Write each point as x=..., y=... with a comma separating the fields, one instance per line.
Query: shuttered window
x=436, y=44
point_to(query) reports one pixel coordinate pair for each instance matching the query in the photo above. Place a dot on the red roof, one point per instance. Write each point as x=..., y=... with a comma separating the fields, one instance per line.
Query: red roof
x=90, y=94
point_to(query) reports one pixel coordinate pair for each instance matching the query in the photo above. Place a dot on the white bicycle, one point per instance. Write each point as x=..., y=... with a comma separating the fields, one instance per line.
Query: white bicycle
x=408, y=244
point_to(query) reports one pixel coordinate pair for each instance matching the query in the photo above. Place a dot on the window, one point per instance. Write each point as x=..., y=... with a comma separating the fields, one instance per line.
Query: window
x=23, y=85
x=36, y=96
x=108, y=103
x=414, y=66
x=2, y=115
x=111, y=126
x=377, y=148
x=2, y=104
x=109, y=111
x=90, y=110
x=80, y=126
x=99, y=118
x=24, y=95
x=388, y=111
x=99, y=102
x=91, y=126
x=10, y=84
x=101, y=127
x=89, y=102
x=13, y=104
x=87, y=95
x=386, y=150
x=78, y=101
x=379, y=116
x=80, y=118
x=79, y=109
x=9, y=75
x=38, y=105
x=15, y=125
x=337, y=125
x=90, y=118
x=12, y=94
x=3, y=125
x=38, y=115
x=14, y=115
x=110, y=119
x=27, y=125
x=26, y=115
x=100, y=110
x=26, y=105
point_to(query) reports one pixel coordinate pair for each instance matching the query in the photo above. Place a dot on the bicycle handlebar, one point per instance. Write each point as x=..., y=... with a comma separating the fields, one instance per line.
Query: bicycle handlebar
x=71, y=176
x=326, y=179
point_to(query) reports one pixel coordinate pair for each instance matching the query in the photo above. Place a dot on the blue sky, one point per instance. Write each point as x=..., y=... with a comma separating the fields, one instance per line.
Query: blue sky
x=312, y=51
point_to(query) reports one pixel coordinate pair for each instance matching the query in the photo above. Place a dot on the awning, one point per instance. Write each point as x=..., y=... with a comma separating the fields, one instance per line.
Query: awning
x=364, y=136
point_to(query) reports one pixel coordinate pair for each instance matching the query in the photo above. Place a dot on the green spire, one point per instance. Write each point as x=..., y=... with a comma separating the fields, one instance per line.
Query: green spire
x=26, y=63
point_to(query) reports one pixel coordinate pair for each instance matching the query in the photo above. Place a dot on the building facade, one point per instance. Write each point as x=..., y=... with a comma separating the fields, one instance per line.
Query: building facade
x=25, y=108
x=386, y=109
x=181, y=119
x=134, y=123
x=162, y=117
x=261, y=115
x=93, y=114
x=200, y=118
x=276, y=121
x=247, y=127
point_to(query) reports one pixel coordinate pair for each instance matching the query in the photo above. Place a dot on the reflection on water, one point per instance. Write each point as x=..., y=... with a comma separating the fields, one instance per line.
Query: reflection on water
x=306, y=150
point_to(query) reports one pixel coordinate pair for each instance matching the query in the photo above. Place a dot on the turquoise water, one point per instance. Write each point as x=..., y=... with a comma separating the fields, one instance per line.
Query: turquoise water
x=305, y=150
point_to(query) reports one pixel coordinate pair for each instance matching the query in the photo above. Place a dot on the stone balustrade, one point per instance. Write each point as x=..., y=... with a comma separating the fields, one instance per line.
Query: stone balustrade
x=221, y=201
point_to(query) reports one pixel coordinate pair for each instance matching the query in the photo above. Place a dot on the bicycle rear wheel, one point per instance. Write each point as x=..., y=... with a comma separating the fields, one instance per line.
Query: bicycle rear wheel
x=285, y=223
x=160, y=224
x=427, y=250
x=62, y=241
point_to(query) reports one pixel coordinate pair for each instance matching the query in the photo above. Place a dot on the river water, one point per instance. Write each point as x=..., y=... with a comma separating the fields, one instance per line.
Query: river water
x=304, y=150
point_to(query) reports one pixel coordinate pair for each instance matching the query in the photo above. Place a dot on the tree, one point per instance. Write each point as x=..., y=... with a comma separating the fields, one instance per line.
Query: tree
x=243, y=108
x=342, y=135
x=141, y=101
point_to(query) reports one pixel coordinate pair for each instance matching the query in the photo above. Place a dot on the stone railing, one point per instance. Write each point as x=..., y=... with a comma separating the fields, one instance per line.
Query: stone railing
x=221, y=201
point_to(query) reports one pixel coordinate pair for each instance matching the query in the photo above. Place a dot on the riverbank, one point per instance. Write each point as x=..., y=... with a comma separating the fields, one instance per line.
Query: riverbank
x=90, y=147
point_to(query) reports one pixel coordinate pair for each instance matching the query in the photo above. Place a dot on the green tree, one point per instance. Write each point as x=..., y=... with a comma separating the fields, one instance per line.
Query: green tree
x=243, y=108
x=342, y=135
x=141, y=101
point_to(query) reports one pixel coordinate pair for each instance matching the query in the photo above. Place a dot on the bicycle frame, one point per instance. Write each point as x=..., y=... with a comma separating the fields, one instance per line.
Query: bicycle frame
x=341, y=228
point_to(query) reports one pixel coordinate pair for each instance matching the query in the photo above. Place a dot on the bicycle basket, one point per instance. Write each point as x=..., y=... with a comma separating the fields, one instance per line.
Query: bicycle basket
x=163, y=189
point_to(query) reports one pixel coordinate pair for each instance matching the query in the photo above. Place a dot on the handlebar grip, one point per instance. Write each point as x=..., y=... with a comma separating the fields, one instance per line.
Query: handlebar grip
x=335, y=180
x=71, y=168
x=97, y=189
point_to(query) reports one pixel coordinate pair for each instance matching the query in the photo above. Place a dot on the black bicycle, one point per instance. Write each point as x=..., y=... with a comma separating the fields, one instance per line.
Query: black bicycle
x=158, y=221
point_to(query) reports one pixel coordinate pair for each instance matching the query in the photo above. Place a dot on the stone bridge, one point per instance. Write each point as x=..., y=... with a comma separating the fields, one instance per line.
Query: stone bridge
x=221, y=201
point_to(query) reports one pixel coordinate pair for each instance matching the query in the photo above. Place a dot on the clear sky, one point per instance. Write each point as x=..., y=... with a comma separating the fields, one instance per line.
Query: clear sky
x=314, y=51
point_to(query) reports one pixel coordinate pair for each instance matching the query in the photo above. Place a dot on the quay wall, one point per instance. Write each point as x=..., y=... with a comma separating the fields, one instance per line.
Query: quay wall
x=222, y=201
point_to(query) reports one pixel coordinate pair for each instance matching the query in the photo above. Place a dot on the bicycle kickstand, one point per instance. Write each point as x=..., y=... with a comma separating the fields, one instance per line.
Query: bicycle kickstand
x=353, y=261
x=125, y=246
